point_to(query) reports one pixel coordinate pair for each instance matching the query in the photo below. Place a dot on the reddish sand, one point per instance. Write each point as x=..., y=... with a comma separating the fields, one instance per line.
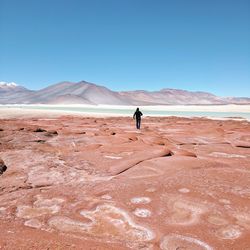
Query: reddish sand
x=98, y=183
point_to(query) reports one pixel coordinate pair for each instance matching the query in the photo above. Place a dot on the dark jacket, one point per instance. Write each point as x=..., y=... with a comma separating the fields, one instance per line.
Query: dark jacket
x=138, y=115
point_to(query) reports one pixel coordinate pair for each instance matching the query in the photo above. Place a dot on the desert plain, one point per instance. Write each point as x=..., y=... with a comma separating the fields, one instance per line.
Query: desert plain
x=81, y=182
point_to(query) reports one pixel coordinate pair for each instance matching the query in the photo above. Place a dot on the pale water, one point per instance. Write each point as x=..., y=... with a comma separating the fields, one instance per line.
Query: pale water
x=130, y=111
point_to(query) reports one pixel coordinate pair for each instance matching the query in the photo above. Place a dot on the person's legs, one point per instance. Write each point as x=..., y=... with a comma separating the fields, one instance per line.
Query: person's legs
x=138, y=123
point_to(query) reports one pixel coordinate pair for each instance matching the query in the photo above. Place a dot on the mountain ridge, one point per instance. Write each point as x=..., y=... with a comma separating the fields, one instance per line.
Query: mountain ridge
x=84, y=92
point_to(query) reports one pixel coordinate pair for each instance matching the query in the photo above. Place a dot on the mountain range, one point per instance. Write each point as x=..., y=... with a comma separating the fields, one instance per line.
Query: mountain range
x=89, y=93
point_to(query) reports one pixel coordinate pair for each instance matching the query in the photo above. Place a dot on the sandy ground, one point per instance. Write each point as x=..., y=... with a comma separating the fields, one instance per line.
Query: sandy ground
x=78, y=182
x=6, y=113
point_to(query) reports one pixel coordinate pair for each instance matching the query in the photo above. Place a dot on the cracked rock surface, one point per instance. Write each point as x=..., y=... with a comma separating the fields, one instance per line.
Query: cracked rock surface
x=76, y=182
x=3, y=167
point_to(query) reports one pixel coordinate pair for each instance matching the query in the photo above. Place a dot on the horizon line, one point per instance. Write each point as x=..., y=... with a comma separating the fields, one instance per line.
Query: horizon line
x=13, y=83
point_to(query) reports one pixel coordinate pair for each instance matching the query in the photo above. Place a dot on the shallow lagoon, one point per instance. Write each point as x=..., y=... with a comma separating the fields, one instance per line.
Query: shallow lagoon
x=126, y=111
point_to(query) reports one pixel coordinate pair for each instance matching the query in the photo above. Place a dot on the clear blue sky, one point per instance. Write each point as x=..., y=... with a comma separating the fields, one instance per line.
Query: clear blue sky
x=128, y=44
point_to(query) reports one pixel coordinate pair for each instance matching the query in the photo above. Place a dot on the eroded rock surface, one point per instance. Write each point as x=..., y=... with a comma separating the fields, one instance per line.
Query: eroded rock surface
x=3, y=167
x=98, y=183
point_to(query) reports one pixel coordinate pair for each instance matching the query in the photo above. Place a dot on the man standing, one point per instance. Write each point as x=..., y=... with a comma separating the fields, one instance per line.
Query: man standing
x=138, y=115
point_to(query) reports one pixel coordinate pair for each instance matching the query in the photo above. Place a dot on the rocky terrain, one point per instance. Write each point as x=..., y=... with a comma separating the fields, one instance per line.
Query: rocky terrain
x=98, y=183
x=89, y=93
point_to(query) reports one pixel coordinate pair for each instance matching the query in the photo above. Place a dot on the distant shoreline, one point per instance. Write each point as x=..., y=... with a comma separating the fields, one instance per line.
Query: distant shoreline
x=43, y=110
x=189, y=107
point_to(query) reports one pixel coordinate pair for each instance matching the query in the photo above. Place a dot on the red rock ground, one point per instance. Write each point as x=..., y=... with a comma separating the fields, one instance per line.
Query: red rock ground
x=98, y=183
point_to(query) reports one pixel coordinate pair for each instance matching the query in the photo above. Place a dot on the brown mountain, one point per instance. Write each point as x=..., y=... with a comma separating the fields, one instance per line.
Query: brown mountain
x=11, y=93
x=88, y=93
